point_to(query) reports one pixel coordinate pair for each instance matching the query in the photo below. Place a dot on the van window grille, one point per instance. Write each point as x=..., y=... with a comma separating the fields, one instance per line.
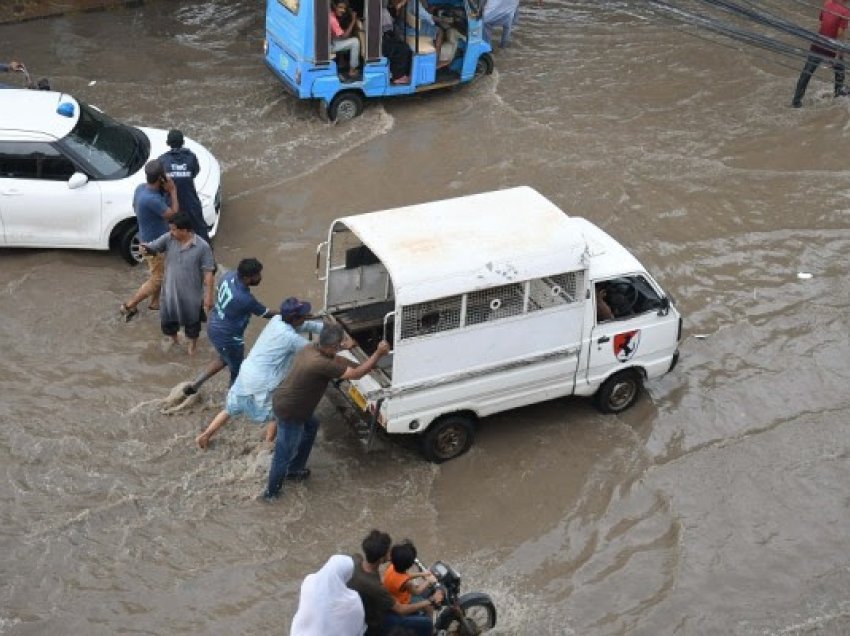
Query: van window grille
x=494, y=303
x=554, y=291
x=432, y=317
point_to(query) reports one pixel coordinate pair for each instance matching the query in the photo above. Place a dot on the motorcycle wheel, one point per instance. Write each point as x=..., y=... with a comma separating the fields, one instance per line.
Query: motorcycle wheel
x=479, y=616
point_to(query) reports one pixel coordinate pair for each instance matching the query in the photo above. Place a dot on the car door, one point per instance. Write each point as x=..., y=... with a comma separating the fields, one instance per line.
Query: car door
x=37, y=206
x=640, y=333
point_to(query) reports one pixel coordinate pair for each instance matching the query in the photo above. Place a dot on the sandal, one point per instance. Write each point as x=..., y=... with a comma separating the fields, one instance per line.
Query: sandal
x=128, y=312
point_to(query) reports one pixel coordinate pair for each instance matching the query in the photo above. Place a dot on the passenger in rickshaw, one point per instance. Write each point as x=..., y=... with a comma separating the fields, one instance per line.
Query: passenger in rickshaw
x=396, y=9
x=343, y=23
x=395, y=49
x=427, y=26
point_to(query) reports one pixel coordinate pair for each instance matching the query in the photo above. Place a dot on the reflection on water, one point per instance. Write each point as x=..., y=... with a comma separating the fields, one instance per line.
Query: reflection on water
x=714, y=506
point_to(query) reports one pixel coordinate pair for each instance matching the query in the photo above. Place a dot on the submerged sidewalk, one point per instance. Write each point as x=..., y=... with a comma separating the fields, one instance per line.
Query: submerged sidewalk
x=20, y=10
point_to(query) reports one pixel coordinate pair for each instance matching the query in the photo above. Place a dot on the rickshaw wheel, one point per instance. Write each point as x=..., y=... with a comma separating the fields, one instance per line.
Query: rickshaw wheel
x=484, y=65
x=345, y=106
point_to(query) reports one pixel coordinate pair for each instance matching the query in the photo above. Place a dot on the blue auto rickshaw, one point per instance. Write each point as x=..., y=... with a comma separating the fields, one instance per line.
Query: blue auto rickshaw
x=297, y=49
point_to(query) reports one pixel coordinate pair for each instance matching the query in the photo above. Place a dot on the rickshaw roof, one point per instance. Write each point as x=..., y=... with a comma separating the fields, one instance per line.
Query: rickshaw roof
x=439, y=249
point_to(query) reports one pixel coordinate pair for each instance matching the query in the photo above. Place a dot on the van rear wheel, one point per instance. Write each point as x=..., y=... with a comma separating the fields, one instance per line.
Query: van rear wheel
x=448, y=437
x=619, y=391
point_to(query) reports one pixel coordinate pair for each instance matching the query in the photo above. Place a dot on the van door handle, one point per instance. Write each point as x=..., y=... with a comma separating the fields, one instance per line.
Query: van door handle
x=603, y=339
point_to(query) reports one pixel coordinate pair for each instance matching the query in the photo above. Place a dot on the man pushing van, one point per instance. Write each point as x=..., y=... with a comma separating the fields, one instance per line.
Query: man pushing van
x=299, y=395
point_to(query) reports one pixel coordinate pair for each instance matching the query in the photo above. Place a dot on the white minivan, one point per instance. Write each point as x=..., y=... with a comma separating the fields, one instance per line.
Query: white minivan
x=68, y=172
x=490, y=302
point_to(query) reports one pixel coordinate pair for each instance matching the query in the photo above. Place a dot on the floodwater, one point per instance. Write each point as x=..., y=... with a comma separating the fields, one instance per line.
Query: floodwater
x=718, y=505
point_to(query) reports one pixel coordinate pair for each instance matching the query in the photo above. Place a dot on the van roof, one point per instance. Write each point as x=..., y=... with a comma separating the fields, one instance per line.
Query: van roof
x=27, y=114
x=450, y=247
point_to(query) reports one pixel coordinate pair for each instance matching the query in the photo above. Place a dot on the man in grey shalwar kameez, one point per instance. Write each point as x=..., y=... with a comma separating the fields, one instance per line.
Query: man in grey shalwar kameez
x=189, y=280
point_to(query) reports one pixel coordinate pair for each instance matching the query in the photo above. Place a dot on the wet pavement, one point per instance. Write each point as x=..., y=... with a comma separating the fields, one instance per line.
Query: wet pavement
x=717, y=505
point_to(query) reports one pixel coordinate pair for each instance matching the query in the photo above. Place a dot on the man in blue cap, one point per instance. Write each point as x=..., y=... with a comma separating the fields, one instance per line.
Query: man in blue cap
x=265, y=367
x=182, y=166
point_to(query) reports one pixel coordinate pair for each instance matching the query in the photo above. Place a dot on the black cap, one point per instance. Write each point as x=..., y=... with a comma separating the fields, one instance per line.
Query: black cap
x=175, y=138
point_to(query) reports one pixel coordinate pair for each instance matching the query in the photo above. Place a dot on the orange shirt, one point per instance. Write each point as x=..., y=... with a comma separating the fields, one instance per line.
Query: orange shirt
x=394, y=582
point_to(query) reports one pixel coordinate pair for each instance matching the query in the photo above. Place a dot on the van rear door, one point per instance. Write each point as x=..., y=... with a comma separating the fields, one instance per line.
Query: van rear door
x=640, y=334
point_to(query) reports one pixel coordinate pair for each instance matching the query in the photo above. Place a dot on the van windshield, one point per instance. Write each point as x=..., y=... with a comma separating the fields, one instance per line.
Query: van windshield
x=109, y=148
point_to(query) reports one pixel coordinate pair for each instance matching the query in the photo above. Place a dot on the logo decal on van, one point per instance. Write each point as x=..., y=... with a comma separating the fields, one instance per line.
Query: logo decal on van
x=626, y=344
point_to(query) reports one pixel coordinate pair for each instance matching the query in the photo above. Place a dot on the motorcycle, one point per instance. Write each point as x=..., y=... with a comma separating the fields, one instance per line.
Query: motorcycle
x=467, y=614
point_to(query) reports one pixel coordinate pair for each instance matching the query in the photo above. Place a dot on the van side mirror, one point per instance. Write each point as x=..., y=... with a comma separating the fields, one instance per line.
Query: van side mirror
x=77, y=180
x=664, y=306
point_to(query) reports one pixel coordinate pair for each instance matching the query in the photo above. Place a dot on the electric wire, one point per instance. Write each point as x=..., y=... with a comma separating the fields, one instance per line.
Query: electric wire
x=753, y=15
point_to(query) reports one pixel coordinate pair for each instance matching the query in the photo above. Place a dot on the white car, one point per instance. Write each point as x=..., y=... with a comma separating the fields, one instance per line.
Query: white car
x=68, y=173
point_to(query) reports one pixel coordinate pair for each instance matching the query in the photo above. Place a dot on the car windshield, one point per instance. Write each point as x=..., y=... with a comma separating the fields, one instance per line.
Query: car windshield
x=109, y=147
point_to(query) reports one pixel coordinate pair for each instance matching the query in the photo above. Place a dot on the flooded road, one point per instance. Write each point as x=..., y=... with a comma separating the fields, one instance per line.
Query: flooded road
x=718, y=505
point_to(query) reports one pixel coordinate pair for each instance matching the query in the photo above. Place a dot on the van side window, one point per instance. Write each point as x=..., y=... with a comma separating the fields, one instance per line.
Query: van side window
x=494, y=303
x=431, y=317
x=554, y=291
x=292, y=5
x=627, y=296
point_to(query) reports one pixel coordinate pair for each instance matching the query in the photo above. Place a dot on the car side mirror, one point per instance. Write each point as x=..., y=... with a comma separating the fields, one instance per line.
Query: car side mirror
x=664, y=306
x=77, y=180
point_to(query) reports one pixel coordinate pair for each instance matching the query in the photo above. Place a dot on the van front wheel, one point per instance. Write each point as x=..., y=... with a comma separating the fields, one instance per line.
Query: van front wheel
x=448, y=437
x=618, y=392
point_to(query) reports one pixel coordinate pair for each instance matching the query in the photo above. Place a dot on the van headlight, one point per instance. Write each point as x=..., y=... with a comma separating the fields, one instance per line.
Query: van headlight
x=265, y=47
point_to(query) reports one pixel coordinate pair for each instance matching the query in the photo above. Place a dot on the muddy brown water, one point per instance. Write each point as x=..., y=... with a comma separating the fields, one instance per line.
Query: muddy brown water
x=718, y=505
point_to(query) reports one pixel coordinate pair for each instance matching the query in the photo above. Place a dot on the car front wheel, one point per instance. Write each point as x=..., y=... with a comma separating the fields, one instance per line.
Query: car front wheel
x=129, y=245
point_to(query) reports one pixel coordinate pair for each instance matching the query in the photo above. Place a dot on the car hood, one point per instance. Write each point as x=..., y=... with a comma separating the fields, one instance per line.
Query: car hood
x=209, y=173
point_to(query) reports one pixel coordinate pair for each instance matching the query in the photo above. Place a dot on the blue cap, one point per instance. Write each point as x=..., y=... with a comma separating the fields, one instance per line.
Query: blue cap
x=294, y=308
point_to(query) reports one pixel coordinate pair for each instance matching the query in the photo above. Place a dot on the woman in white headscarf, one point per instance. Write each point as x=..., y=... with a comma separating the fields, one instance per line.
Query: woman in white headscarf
x=327, y=606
